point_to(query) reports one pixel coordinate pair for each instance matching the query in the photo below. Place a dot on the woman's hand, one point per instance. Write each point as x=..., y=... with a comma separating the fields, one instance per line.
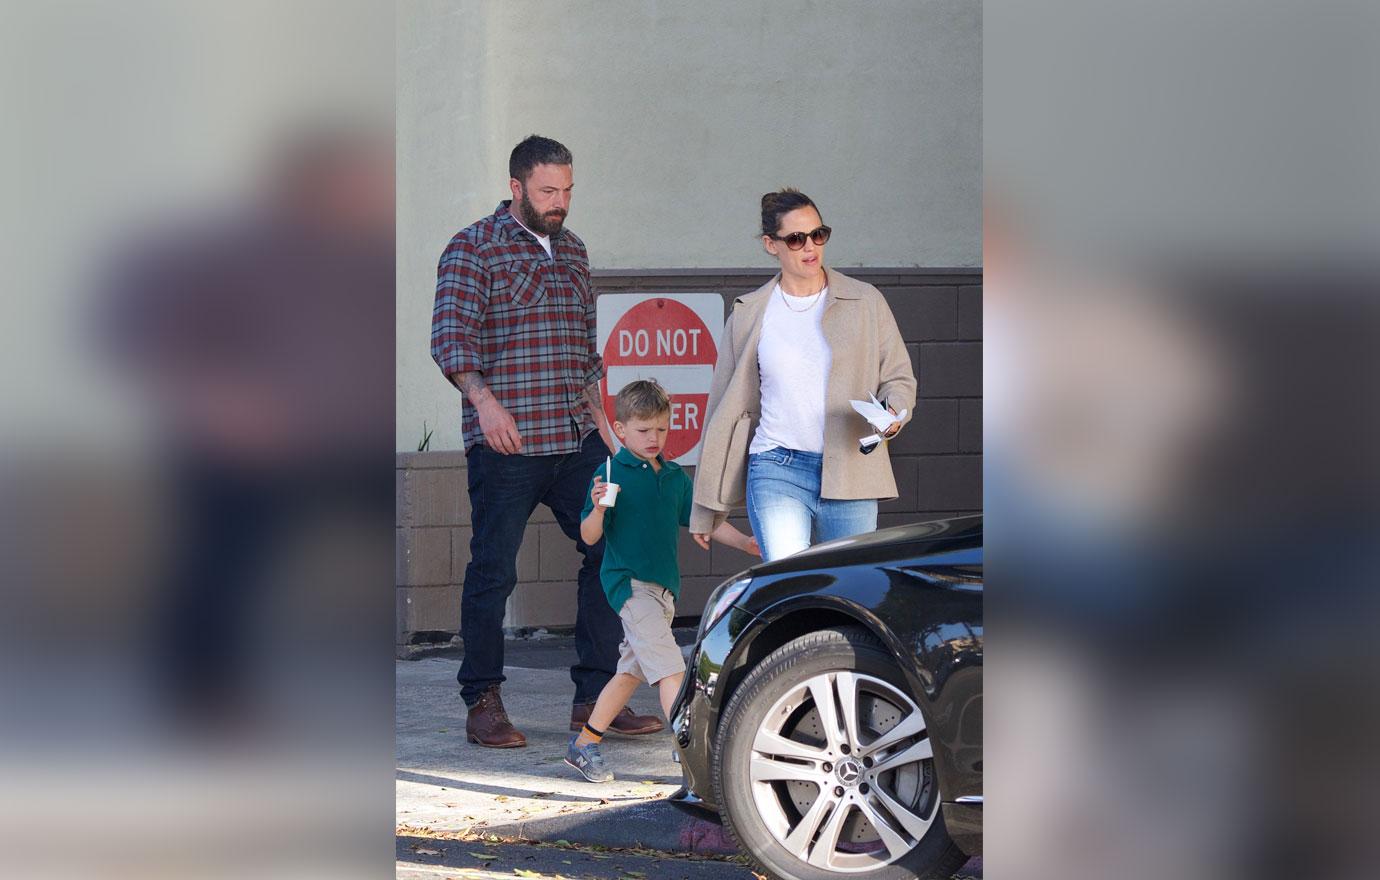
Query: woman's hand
x=701, y=539
x=891, y=432
x=729, y=535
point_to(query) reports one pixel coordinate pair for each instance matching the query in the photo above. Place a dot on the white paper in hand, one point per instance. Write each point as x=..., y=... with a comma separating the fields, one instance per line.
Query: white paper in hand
x=878, y=417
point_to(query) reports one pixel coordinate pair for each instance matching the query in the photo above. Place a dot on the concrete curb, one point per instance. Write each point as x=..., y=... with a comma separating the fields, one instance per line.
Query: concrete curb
x=653, y=825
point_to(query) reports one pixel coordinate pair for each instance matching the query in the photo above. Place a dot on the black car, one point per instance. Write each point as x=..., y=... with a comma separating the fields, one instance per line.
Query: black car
x=832, y=714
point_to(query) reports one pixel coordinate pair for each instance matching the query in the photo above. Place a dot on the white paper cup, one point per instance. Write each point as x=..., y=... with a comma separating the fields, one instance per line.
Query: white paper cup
x=611, y=496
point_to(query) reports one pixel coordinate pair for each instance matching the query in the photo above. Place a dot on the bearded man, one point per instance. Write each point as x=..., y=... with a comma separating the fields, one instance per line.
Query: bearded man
x=513, y=328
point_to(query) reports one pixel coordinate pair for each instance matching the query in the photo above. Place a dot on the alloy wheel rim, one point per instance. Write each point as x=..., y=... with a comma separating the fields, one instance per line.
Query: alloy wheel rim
x=841, y=772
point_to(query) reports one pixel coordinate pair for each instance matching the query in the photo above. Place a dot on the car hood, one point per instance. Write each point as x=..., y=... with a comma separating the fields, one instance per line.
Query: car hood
x=883, y=545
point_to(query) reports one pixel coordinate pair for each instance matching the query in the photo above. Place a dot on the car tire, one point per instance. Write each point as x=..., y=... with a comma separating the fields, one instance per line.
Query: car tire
x=752, y=807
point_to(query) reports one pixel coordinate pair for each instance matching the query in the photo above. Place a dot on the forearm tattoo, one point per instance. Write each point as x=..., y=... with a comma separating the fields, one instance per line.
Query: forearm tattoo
x=472, y=384
x=593, y=397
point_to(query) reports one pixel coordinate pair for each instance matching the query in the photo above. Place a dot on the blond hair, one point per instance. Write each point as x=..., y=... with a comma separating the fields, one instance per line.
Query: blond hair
x=641, y=399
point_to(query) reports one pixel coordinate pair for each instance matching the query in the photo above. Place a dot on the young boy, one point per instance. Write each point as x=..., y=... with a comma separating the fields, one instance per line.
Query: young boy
x=640, y=573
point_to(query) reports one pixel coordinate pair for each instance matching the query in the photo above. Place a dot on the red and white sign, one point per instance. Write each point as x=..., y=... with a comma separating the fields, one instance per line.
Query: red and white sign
x=671, y=338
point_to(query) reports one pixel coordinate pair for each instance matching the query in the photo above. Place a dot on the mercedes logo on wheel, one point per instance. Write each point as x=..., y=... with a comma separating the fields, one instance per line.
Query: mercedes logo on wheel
x=849, y=772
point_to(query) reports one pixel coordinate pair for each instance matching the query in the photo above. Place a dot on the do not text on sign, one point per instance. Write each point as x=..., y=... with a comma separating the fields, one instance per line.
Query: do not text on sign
x=671, y=338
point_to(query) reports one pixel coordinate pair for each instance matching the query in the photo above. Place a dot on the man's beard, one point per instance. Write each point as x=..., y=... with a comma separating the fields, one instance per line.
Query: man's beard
x=547, y=225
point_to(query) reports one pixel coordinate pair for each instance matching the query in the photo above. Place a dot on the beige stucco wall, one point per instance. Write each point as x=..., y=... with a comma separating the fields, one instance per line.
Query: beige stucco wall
x=679, y=116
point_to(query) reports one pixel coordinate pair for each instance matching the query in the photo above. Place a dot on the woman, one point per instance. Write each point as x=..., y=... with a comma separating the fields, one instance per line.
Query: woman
x=780, y=432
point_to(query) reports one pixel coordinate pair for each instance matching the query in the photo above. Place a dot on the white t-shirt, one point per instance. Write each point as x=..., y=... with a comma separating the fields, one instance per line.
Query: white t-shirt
x=794, y=360
x=543, y=240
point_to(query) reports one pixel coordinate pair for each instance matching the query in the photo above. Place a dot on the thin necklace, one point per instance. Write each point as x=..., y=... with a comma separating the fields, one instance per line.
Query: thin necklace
x=814, y=298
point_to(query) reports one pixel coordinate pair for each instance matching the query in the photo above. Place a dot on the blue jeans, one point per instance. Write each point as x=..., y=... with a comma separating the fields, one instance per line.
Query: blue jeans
x=784, y=506
x=504, y=490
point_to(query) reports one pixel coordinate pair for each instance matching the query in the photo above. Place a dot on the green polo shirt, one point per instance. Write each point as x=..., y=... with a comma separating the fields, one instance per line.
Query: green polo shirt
x=642, y=529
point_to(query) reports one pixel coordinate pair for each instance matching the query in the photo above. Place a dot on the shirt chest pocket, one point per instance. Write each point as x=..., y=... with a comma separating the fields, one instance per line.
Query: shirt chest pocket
x=522, y=285
x=577, y=276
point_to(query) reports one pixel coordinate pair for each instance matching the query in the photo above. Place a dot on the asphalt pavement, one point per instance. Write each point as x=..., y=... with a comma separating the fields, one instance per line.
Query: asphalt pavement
x=455, y=800
x=422, y=858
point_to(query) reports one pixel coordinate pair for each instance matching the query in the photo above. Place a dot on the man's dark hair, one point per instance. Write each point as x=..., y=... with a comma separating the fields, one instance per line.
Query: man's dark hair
x=777, y=204
x=536, y=150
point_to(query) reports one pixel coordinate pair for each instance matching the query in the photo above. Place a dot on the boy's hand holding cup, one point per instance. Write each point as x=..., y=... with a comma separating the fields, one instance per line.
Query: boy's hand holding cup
x=609, y=496
x=604, y=494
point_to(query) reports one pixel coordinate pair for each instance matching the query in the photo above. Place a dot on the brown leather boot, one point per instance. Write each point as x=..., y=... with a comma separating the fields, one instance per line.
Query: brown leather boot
x=487, y=723
x=625, y=722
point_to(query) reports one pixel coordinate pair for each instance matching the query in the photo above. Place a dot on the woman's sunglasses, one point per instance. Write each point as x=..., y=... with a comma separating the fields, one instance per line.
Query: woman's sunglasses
x=796, y=240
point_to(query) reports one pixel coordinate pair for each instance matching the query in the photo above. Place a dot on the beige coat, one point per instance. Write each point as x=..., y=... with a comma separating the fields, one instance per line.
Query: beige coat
x=868, y=355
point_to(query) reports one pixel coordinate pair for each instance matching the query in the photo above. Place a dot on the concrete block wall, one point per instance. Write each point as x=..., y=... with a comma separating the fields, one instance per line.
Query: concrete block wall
x=937, y=461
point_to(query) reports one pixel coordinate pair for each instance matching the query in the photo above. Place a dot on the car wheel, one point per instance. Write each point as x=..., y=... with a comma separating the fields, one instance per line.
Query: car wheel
x=823, y=766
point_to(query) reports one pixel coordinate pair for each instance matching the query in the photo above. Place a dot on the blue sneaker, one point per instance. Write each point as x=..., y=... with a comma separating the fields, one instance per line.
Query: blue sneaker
x=588, y=761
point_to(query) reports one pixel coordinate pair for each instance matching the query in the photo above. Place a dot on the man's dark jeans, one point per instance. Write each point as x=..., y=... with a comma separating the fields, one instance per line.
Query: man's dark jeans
x=504, y=490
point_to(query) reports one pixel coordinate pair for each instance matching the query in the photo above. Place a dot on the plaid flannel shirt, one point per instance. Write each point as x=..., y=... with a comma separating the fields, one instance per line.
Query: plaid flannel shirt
x=524, y=320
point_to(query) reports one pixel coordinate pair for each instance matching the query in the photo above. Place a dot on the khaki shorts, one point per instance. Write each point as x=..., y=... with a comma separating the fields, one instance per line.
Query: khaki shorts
x=649, y=651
